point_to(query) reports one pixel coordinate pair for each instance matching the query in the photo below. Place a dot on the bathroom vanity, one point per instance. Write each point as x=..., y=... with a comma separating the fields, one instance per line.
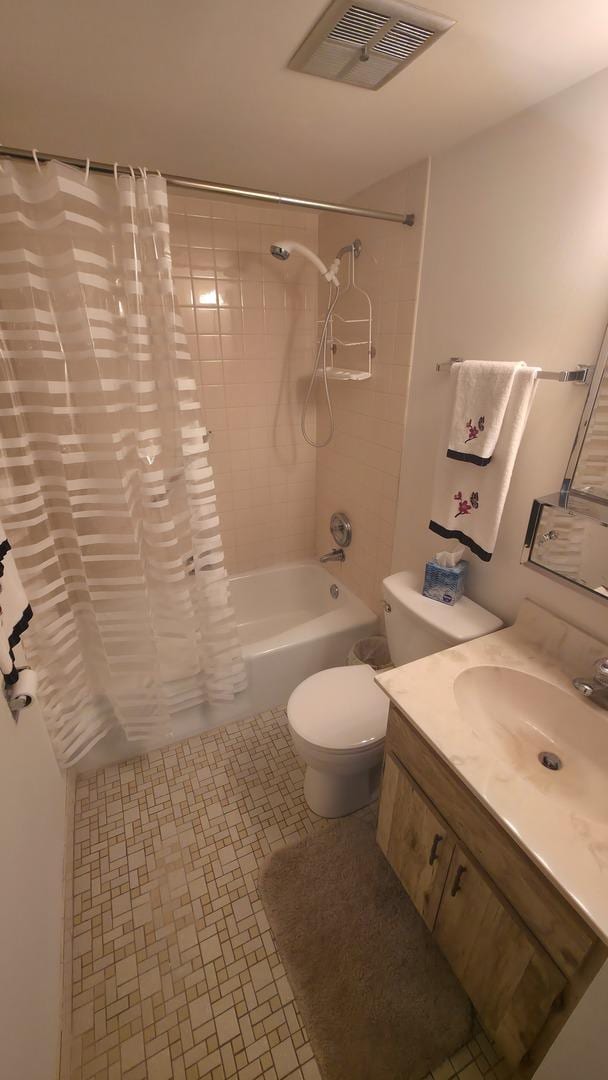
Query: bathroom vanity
x=506, y=859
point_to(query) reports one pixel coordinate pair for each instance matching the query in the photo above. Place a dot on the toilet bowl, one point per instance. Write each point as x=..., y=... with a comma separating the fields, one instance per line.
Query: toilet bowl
x=338, y=717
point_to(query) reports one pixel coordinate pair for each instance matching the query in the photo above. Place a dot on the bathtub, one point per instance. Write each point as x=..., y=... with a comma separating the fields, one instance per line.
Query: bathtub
x=290, y=625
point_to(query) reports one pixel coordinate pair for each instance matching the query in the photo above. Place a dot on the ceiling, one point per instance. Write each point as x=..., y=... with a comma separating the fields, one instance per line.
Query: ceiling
x=201, y=88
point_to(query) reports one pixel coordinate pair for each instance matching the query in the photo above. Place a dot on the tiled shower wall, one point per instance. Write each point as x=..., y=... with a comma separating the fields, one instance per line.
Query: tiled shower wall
x=251, y=325
x=358, y=472
x=250, y=322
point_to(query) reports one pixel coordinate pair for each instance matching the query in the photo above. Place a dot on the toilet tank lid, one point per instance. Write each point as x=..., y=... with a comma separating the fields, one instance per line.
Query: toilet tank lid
x=462, y=622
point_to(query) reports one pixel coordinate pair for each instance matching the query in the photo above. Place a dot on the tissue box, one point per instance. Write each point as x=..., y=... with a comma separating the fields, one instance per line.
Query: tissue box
x=444, y=583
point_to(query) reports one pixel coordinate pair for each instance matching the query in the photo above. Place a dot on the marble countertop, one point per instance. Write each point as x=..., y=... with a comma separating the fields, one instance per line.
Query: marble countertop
x=566, y=840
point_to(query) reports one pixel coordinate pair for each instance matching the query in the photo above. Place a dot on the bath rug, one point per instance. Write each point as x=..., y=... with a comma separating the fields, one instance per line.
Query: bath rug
x=378, y=999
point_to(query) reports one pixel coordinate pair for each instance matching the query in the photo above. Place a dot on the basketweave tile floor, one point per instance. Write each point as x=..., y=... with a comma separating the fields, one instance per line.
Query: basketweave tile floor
x=175, y=972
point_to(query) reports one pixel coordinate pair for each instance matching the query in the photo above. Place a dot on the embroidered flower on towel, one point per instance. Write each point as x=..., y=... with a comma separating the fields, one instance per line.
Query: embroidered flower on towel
x=475, y=429
x=464, y=505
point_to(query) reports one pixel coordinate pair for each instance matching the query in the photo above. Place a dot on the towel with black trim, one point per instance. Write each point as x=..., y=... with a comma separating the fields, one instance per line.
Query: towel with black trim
x=481, y=393
x=467, y=501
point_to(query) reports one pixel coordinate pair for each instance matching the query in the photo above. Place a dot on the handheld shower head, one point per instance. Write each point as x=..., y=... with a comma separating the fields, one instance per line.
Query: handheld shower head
x=284, y=248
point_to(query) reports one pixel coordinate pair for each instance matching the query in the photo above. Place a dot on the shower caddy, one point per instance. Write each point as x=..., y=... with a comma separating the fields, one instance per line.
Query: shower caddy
x=362, y=323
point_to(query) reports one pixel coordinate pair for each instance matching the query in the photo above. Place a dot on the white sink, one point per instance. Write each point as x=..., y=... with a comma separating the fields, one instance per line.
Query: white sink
x=526, y=721
x=489, y=707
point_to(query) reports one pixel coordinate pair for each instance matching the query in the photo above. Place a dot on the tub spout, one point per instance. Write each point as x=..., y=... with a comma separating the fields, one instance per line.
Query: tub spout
x=335, y=555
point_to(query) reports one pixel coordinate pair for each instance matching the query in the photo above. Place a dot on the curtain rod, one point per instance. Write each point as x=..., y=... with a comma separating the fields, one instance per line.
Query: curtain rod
x=209, y=185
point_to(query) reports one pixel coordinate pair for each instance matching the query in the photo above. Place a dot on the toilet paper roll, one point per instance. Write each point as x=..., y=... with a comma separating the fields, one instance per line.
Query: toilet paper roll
x=23, y=691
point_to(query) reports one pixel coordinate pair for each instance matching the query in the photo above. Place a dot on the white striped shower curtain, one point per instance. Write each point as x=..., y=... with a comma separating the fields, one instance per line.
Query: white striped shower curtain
x=106, y=492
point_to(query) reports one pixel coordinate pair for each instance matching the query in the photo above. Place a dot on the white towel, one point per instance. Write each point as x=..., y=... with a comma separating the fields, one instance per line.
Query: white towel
x=467, y=501
x=481, y=392
x=15, y=612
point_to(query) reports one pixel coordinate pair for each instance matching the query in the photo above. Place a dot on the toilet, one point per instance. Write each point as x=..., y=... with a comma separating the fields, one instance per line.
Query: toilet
x=337, y=717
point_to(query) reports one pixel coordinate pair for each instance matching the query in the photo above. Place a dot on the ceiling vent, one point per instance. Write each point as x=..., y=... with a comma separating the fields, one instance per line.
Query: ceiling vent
x=367, y=44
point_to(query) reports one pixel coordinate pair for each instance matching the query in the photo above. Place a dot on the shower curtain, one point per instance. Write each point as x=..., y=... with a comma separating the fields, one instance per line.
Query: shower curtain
x=107, y=495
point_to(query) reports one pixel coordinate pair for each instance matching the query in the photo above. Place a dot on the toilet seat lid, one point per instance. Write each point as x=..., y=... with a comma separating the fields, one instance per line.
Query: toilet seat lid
x=339, y=709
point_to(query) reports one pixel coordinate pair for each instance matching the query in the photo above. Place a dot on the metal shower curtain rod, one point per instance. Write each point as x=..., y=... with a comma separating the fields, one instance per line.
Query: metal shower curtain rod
x=209, y=185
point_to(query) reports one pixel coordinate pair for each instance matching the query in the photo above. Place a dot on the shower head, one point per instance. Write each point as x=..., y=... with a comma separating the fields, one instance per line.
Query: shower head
x=279, y=251
x=284, y=248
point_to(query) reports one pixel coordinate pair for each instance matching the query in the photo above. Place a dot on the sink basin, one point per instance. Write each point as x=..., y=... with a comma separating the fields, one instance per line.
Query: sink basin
x=554, y=741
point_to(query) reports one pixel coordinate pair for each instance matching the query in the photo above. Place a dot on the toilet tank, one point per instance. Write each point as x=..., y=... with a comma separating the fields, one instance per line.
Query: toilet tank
x=417, y=626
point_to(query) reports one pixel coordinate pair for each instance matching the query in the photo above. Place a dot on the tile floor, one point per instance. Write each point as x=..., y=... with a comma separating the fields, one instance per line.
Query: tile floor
x=175, y=972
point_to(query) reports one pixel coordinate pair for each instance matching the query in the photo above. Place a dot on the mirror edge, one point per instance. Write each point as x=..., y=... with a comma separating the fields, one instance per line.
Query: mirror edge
x=557, y=501
x=579, y=440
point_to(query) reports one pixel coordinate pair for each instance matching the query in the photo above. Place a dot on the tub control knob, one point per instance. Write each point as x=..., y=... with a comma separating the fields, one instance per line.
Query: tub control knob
x=341, y=529
x=387, y=608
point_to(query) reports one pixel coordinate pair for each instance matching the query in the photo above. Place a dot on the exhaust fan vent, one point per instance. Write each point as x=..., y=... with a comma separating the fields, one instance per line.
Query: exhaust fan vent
x=404, y=40
x=358, y=27
x=367, y=46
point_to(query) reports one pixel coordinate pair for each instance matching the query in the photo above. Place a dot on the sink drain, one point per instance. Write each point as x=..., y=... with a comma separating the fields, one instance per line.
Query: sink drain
x=549, y=760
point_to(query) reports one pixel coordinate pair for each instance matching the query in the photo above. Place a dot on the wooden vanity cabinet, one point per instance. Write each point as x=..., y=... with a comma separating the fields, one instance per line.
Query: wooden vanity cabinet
x=511, y=980
x=524, y=958
x=415, y=839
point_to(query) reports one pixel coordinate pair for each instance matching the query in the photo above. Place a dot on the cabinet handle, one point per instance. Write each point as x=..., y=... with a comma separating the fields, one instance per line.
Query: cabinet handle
x=434, y=853
x=456, y=887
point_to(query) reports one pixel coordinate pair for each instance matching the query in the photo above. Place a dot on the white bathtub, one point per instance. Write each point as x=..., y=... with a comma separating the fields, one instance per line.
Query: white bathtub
x=290, y=626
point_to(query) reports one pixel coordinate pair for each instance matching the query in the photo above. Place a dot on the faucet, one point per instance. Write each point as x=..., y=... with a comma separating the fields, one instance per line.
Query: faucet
x=596, y=687
x=337, y=555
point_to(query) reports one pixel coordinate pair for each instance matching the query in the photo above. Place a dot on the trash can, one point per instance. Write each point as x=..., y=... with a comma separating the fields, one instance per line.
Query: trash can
x=372, y=651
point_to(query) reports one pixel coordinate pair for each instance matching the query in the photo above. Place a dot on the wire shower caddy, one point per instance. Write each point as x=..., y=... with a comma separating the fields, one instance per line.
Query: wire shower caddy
x=361, y=326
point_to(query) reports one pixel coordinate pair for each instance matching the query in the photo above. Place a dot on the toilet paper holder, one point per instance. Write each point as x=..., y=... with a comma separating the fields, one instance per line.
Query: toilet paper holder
x=19, y=701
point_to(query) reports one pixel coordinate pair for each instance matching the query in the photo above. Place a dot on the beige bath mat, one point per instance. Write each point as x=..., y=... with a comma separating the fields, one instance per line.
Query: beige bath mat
x=377, y=997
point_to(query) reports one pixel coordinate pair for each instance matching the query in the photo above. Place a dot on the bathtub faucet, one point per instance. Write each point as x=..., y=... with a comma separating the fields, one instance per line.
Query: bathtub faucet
x=335, y=555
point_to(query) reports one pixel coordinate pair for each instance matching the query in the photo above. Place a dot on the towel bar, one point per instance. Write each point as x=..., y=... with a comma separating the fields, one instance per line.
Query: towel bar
x=580, y=375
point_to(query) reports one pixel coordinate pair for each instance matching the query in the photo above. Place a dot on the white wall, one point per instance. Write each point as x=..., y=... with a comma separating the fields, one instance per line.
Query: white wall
x=515, y=267
x=32, y=838
x=579, y=1050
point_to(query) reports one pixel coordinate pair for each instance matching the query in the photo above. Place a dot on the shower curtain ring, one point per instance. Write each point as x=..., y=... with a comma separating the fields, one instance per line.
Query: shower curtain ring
x=116, y=173
x=35, y=157
x=86, y=170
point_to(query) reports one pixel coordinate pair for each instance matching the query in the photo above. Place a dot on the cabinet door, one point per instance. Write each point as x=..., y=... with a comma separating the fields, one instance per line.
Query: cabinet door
x=511, y=980
x=414, y=838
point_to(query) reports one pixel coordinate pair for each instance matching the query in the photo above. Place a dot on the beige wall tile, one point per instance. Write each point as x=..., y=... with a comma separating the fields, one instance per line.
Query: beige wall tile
x=250, y=322
x=358, y=472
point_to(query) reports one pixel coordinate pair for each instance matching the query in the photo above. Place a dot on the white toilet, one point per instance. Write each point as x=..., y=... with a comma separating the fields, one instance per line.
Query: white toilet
x=337, y=718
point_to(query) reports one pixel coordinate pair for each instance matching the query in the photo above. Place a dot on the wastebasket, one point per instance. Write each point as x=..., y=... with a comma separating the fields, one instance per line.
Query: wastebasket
x=372, y=651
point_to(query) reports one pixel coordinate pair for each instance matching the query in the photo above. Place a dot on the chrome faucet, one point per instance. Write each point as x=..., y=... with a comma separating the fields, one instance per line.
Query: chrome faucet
x=337, y=555
x=595, y=688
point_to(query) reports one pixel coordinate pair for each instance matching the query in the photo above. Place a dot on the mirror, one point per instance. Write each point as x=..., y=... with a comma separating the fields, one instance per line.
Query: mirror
x=586, y=479
x=567, y=543
x=567, y=532
x=590, y=463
